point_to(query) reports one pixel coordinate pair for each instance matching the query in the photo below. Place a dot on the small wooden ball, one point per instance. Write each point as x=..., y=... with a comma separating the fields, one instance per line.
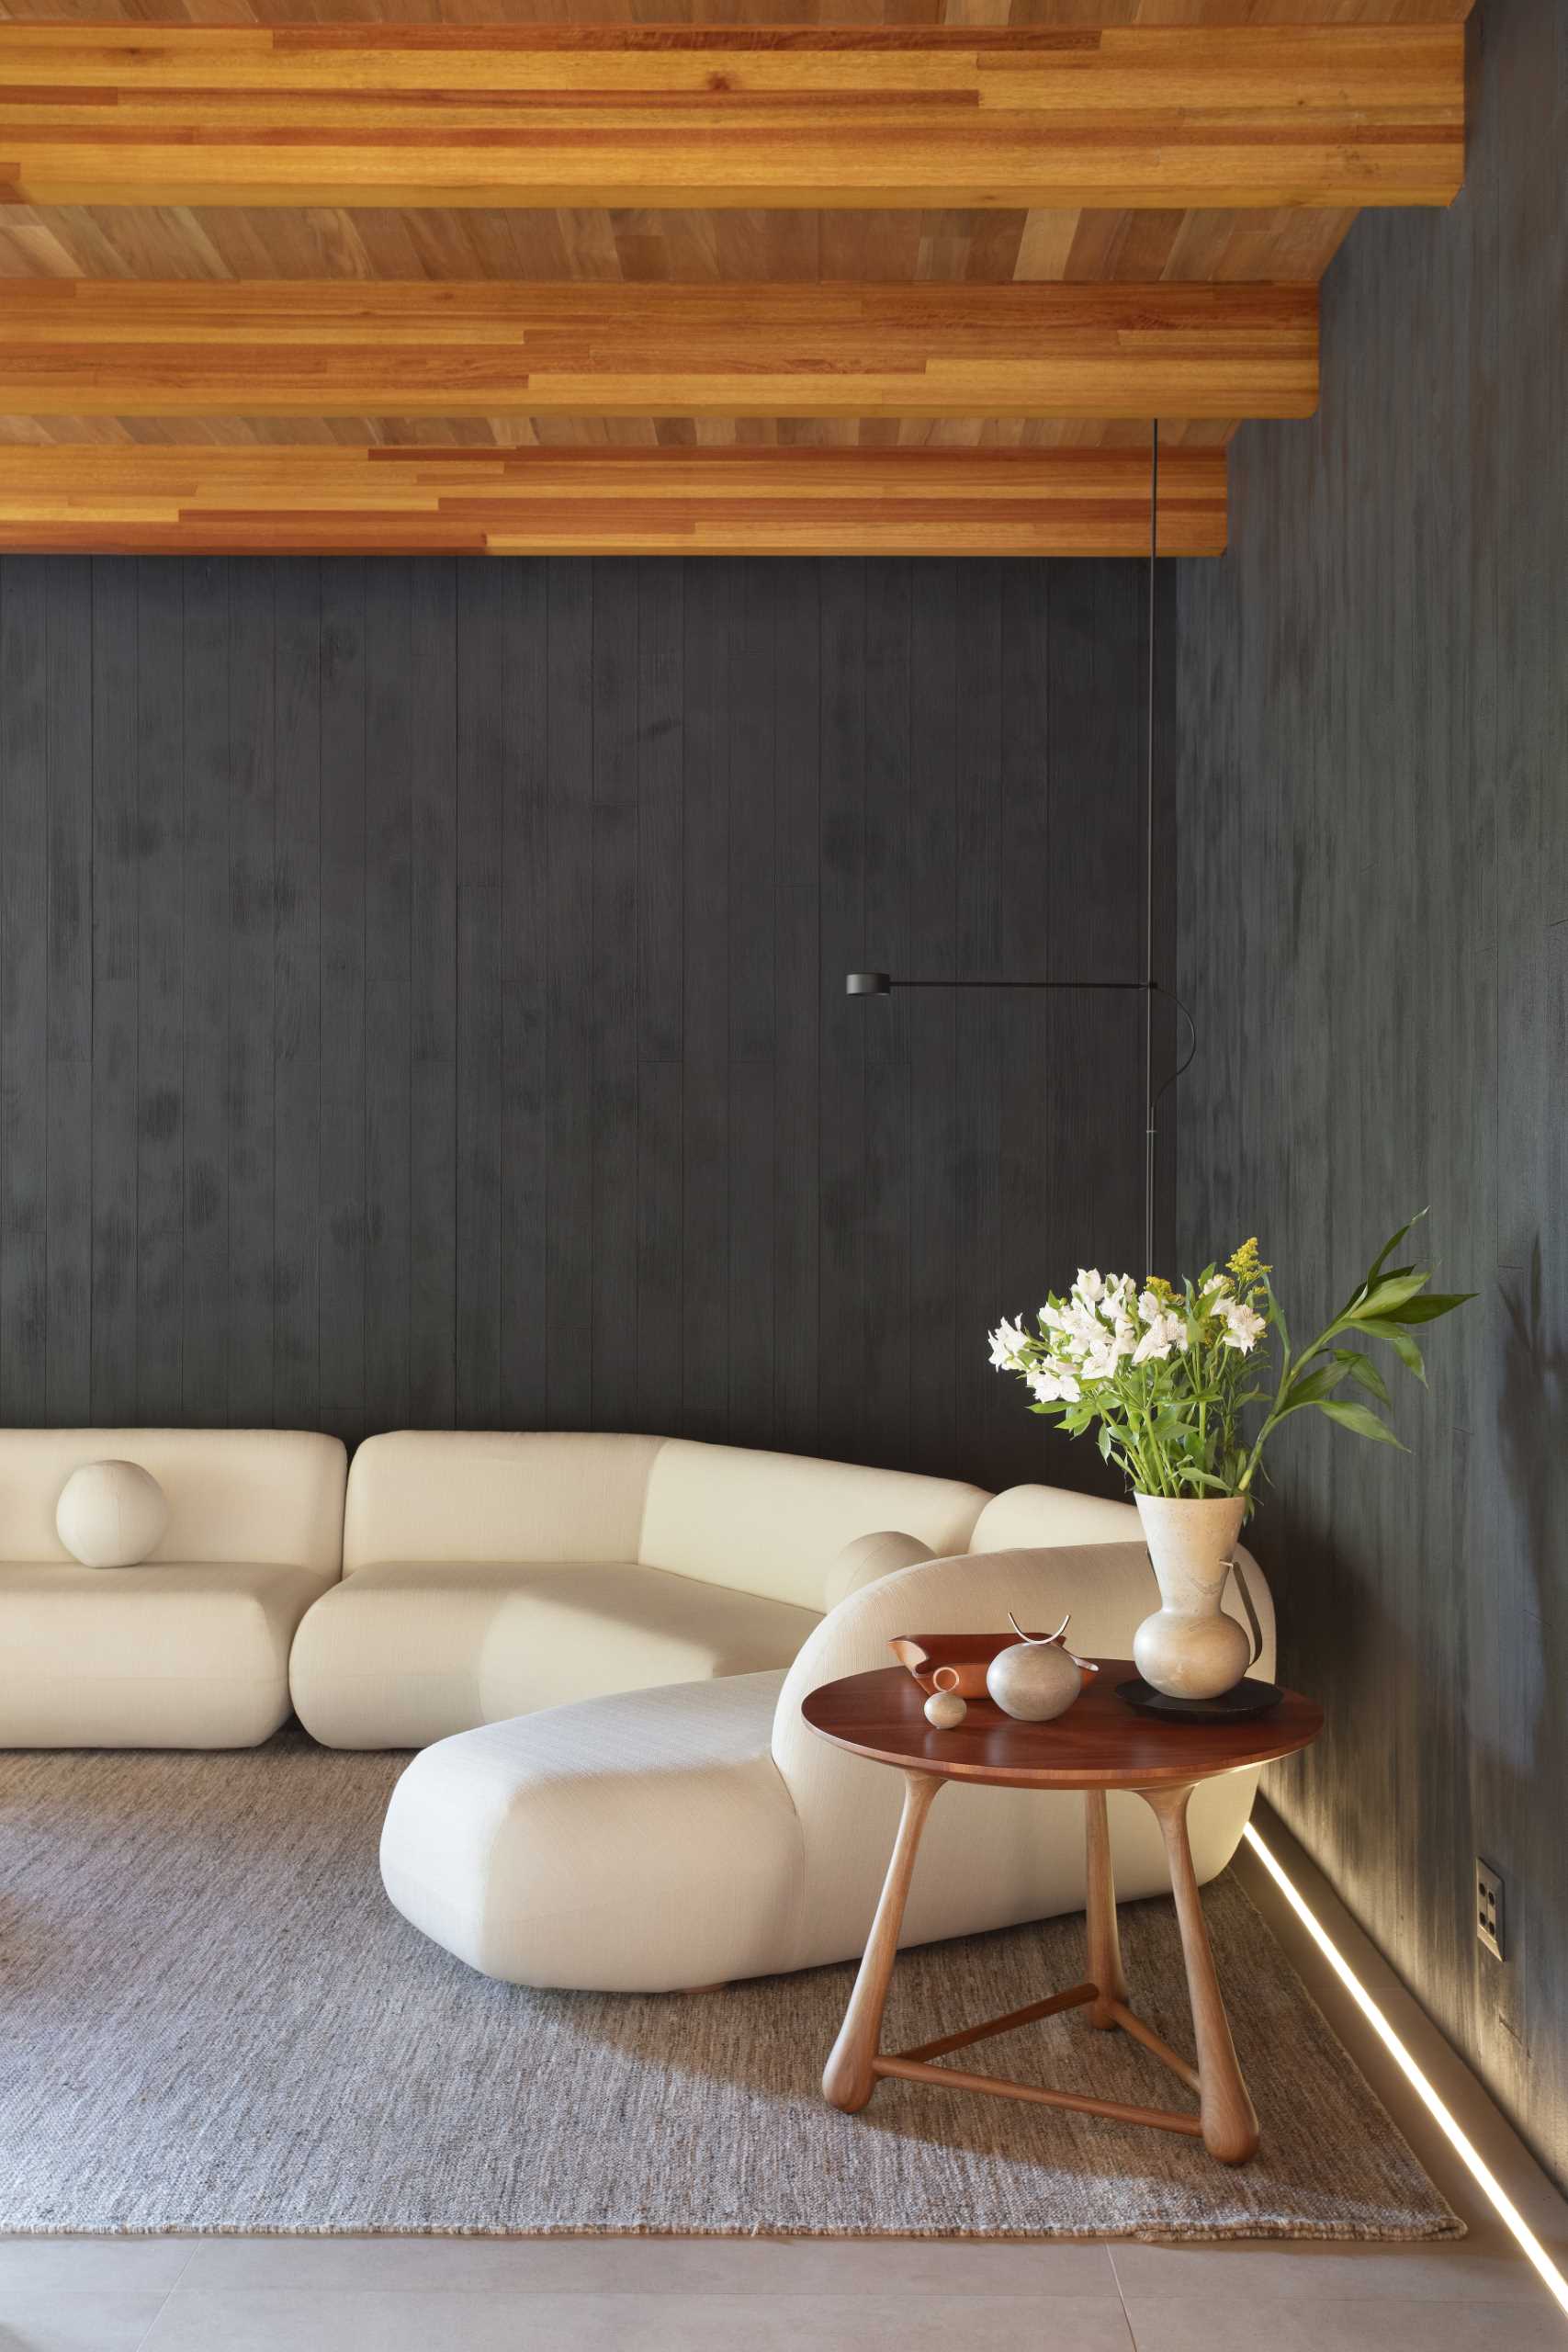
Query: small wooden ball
x=944, y=1709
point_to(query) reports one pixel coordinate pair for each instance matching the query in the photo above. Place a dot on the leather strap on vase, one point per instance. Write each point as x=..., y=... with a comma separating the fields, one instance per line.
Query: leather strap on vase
x=1253, y=1626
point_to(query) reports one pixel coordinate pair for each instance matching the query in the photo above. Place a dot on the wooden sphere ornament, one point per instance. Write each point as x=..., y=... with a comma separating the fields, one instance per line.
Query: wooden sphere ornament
x=944, y=1709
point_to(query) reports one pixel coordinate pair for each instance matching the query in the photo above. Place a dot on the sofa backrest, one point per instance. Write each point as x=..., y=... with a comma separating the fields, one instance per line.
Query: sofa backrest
x=233, y=1495
x=772, y=1523
x=847, y=1807
x=461, y=1495
x=1022, y=1517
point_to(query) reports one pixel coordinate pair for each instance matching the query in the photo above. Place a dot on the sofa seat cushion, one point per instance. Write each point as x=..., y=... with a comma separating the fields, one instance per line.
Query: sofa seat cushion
x=640, y=1843
x=168, y=1653
x=407, y=1653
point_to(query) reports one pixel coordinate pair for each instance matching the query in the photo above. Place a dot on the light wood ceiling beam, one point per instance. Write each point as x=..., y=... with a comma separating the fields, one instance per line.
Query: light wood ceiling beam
x=1052, y=116
x=100, y=346
x=608, y=501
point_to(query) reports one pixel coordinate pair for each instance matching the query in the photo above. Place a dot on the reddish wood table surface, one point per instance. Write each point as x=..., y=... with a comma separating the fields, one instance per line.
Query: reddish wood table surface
x=1099, y=1744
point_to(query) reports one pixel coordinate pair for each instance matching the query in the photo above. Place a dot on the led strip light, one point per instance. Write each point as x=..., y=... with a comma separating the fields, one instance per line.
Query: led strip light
x=1485, y=2178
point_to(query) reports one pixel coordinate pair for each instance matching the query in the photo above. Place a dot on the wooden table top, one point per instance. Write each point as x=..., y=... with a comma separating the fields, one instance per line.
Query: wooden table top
x=1100, y=1743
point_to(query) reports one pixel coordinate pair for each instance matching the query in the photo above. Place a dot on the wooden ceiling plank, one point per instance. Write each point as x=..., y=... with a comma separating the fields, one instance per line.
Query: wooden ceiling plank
x=749, y=117
x=207, y=500
x=117, y=347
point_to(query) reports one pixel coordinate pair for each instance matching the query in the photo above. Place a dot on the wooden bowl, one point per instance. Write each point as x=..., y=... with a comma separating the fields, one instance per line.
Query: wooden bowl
x=968, y=1654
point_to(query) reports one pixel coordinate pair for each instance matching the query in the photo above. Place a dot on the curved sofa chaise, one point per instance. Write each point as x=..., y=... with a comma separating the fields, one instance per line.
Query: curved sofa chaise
x=695, y=1835
x=189, y=1648
x=486, y=1575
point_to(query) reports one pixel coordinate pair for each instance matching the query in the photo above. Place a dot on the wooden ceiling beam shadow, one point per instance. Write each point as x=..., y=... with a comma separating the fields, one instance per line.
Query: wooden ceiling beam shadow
x=1059, y=116
x=105, y=347
x=191, y=500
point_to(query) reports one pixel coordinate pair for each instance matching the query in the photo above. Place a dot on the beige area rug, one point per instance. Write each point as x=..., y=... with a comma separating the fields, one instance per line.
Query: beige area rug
x=213, y=2020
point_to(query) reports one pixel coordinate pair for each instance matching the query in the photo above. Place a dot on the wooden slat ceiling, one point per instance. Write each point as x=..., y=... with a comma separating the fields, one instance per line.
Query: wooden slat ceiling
x=587, y=502
x=728, y=117
x=78, y=346
x=729, y=241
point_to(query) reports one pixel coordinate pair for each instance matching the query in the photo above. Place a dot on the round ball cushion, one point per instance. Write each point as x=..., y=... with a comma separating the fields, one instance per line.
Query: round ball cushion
x=110, y=1514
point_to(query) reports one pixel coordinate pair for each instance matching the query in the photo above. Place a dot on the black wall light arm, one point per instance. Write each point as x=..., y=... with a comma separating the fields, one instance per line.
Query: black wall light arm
x=884, y=984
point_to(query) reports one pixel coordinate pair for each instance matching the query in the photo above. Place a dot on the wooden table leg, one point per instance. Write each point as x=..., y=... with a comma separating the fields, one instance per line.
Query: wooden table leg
x=849, y=2078
x=1230, y=2126
x=1099, y=1913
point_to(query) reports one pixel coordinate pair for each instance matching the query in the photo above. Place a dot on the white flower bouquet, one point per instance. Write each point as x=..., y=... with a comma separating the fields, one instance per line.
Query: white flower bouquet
x=1170, y=1374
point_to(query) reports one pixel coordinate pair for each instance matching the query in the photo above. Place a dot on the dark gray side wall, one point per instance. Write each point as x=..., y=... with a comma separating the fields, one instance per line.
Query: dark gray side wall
x=421, y=992
x=1373, y=817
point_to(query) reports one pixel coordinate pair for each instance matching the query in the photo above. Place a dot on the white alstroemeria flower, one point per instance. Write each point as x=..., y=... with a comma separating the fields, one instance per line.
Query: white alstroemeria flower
x=1244, y=1325
x=1090, y=1286
x=1122, y=1293
x=1220, y=1283
x=1165, y=1332
x=1006, y=1339
x=1100, y=1362
x=1052, y=1318
x=1150, y=1306
x=1081, y=1329
x=1124, y=1338
x=1055, y=1383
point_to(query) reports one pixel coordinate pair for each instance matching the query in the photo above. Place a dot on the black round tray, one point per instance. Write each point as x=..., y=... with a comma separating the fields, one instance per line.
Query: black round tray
x=1246, y=1698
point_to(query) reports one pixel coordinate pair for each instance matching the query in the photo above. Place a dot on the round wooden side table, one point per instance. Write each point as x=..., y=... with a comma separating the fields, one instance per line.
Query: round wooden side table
x=1099, y=1744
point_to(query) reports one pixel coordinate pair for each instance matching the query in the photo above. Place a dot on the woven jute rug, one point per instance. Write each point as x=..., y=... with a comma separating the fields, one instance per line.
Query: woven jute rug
x=213, y=2020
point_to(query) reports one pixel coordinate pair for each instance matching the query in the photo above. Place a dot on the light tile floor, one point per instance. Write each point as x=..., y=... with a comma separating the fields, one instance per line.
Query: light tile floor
x=749, y=2295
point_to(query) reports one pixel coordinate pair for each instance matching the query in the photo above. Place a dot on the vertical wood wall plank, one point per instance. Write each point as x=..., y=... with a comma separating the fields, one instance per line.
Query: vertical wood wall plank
x=389, y=691
x=709, y=621
x=24, y=992
x=487, y=600
x=204, y=1355
x=525, y=1239
x=115, y=896
x=250, y=1095
x=612, y=995
x=298, y=1009
x=797, y=825
x=661, y=952
x=843, y=1026
x=568, y=983
x=433, y=1012
x=69, y=658
x=157, y=1396
x=344, y=818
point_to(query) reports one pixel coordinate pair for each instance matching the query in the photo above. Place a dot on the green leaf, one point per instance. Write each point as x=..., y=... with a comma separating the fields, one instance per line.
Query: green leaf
x=1310, y=1388
x=1362, y=1420
x=1404, y=1346
x=1387, y=1297
x=1390, y=1245
x=1364, y=1371
x=1277, y=1315
x=1435, y=1303
x=1105, y=1441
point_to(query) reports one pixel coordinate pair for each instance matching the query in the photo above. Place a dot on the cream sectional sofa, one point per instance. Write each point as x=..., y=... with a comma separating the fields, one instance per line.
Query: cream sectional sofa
x=488, y=1575
x=190, y=1647
x=690, y=1835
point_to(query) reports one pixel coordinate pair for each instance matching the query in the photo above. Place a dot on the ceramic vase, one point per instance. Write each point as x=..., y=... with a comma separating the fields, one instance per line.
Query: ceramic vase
x=1190, y=1648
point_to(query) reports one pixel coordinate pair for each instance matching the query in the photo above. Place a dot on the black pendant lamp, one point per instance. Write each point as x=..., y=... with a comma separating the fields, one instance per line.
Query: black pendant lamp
x=1148, y=988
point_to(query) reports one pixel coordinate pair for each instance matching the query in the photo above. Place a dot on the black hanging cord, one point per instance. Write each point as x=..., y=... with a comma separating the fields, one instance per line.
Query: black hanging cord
x=1150, y=1098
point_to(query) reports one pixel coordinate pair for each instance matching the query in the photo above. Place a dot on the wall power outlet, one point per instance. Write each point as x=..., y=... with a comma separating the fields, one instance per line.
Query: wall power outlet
x=1489, y=1907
